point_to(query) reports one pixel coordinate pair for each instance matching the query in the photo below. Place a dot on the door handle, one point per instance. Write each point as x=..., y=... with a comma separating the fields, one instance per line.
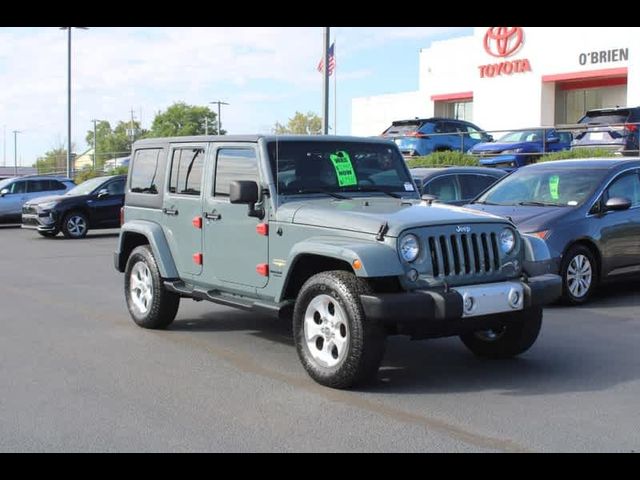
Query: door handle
x=168, y=211
x=213, y=216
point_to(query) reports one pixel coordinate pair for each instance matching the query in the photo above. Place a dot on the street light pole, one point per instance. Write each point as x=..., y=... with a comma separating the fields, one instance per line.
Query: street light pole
x=69, y=96
x=15, y=150
x=95, y=143
x=219, y=115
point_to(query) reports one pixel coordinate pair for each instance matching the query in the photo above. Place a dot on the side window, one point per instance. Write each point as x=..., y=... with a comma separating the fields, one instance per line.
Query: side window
x=474, y=185
x=34, y=186
x=445, y=188
x=234, y=164
x=627, y=186
x=18, y=187
x=116, y=188
x=144, y=171
x=186, y=171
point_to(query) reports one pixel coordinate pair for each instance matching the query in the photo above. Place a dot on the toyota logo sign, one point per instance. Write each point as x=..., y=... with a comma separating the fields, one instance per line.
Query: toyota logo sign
x=503, y=41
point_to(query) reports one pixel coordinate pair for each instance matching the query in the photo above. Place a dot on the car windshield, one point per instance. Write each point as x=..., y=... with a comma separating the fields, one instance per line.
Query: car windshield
x=339, y=167
x=521, y=136
x=6, y=182
x=85, y=188
x=544, y=187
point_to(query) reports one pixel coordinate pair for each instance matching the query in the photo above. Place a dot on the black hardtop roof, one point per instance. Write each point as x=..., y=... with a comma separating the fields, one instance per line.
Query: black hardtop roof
x=148, y=142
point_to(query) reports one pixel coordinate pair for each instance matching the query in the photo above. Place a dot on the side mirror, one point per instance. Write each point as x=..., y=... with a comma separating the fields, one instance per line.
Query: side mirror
x=3, y=192
x=489, y=138
x=246, y=192
x=617, y=204
x=553, y=139
x=103, y=192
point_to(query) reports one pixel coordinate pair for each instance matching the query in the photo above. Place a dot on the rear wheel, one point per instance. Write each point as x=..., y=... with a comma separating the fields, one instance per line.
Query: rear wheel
x=149, y=303
x=508, y=340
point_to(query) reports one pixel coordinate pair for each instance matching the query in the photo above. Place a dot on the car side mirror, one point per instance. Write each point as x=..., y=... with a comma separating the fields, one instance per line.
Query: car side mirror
x=3, y=192
x=553, y=139
x=489, y=138
x=617, y=204
x=103, y=192
x=246, y=192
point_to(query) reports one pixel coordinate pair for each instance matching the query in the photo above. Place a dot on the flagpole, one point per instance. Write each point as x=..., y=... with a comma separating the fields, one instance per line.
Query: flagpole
x=325, y=89
x=335, y=88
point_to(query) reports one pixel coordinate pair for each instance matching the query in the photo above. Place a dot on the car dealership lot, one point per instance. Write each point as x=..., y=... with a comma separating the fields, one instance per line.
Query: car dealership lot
x=76, y=374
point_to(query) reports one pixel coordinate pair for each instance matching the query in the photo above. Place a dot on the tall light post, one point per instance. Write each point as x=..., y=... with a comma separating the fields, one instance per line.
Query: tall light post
x=15, y=150
x=68, y=29
x=219, y=117
x=95, y=143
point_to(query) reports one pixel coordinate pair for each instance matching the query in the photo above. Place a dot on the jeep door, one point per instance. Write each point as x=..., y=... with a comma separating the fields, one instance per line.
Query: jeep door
x=182, y=206
x=232, y=246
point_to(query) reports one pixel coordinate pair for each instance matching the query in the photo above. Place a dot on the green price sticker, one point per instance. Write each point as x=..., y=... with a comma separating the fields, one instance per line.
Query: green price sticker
x=554, y=182
x=344, y=169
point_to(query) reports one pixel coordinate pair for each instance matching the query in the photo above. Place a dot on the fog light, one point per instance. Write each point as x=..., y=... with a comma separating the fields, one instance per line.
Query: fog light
x=412, y=275
x=469, y=303
x=514, y=298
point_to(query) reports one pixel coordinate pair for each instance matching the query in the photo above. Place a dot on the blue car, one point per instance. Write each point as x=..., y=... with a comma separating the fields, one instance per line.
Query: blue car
x=520, y=148
x=422, y=136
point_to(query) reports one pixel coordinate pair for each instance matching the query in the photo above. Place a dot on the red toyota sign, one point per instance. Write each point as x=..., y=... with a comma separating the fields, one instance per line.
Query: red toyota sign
x=502, y=42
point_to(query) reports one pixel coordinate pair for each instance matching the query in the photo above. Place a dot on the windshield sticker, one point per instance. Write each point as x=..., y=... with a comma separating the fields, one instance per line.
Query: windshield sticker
x=554, y=181
x=408, y=187
x=344, y=169
x=572, y=203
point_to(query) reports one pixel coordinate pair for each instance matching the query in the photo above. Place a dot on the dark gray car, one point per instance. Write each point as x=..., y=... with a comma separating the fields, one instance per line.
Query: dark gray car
x=455, y=185
x=586, y=210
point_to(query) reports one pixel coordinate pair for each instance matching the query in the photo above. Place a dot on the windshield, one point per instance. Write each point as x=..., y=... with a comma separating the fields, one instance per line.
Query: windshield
x=85, y=188
x=338, y=167
x=521, y=136
x=4, y=183
x=548, y=187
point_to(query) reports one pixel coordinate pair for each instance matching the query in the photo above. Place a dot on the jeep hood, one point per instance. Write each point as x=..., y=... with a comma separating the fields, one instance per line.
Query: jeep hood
x=367, y=215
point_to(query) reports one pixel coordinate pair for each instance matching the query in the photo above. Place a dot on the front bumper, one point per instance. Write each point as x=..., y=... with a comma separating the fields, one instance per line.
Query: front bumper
x=440, y=312
x=43, y=222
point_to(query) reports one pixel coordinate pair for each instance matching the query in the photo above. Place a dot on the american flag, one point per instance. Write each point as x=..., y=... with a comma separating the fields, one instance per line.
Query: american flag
x=332, y=61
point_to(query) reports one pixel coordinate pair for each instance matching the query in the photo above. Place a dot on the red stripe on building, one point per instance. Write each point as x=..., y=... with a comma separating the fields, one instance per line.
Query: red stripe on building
x=443, y=97
x=596, y=82
x=606, y=72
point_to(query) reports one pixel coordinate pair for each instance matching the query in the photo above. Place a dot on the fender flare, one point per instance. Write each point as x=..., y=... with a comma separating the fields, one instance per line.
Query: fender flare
x=157, y=241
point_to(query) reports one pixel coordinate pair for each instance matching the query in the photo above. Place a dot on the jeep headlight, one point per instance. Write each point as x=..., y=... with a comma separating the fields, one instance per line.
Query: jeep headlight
x=507, y=240
x=409, y=248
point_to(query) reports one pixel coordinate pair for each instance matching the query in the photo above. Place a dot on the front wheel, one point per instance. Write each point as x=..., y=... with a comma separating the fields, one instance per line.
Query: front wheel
x=337, y=345
x=149, y=303
x=509, y=339
x=578, y=273
x=75, y=225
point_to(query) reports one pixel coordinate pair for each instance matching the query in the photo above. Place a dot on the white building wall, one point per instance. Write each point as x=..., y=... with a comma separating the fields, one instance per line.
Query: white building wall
x=508, y=101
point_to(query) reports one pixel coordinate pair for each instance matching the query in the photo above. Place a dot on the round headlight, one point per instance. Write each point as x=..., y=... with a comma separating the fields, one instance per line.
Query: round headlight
x=409, y=248
x=507, y=240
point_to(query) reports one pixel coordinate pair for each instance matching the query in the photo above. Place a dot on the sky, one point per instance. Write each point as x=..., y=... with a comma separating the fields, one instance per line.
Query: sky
x=266, y=74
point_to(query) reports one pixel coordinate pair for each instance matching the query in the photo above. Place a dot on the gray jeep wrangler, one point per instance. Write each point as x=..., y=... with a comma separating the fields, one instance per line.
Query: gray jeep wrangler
x=331, y=233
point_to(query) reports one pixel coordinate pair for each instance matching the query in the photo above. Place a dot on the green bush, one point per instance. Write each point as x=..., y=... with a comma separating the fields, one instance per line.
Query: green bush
x=577, y=153
x=84, y=175
x=438, y=159
x=119, y=171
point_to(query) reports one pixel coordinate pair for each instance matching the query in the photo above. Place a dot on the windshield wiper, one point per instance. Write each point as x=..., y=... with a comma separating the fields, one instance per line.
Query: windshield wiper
x=319, y=190
x=533, y=203
x=483, y=202
x=375, y=189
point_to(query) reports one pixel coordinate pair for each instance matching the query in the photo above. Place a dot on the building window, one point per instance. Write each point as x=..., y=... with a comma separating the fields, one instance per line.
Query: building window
x=459, y=110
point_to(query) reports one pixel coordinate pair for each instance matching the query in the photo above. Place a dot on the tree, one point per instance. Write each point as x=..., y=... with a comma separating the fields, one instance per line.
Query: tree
x=300, y=124
x=55, y=160
x=181, y=119
x=117, y=142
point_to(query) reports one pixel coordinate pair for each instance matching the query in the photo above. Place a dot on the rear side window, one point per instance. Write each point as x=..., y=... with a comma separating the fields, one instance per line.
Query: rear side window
x=144, y=171
x=35, y=186
x=186, y=171
x=234, y=164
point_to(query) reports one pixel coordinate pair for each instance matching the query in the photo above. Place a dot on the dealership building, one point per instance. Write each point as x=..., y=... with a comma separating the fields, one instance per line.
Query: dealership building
x=514, y=77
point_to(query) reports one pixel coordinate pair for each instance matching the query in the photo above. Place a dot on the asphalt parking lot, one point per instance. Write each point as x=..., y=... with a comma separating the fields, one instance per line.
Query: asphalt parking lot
x=76, y=374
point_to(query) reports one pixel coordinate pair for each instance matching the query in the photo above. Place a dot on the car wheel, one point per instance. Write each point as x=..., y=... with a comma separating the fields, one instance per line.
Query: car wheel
x=579, y=275
x=337, y=345
x=149, y=303
x=508, y=340
x=75, y=225
x=49, y=234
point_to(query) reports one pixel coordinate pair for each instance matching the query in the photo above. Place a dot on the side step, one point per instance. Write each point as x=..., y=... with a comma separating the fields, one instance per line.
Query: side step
x=281, y=310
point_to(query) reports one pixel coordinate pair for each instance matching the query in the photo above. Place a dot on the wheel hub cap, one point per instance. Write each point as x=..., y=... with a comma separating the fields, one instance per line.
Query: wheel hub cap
x=579, y=276
x=76, y=226
x=326, y=331
x=141, y=287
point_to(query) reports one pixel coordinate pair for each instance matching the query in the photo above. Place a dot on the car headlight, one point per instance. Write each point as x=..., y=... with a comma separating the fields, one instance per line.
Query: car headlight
x=409, y=248
x=507, y=241
x=514, y=150
x=47, y=206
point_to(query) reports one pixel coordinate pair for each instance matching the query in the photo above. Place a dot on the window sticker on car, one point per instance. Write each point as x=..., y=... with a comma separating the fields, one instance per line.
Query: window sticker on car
x=554, y=182
x=344, y=169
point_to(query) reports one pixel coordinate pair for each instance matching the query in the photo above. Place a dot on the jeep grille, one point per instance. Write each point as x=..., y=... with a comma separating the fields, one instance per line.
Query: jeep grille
x=463, y=254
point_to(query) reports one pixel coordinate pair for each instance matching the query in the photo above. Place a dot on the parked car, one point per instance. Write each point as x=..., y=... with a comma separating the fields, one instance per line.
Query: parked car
x=455, y=185
x=586, y=210
x=612, y=128
x=330, y=233
x=93, y=204
x=424, y=136
x=15, y=191
x=519, y=148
